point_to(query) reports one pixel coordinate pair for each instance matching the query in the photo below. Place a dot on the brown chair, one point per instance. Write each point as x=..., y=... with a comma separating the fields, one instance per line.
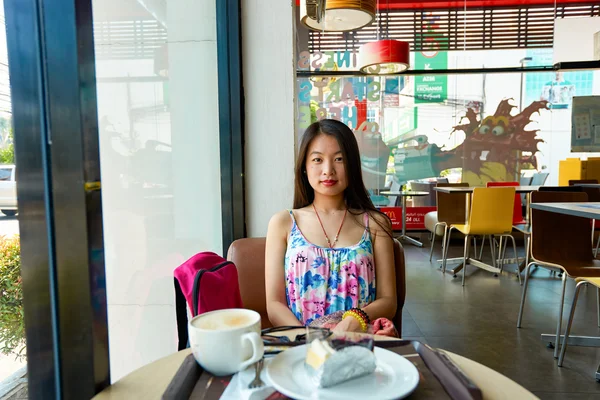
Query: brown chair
x=593, y=195
x=451, y=209
x=573, y=182
x=248, y=255
x=569, y=189
x=400, y=263
x=560, y=243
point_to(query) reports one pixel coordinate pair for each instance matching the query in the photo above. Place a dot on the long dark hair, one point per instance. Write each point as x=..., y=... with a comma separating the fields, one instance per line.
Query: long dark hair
x=356, y=195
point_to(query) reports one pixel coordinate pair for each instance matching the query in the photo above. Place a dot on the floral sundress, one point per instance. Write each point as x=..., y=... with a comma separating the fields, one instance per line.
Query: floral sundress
x=320, y=280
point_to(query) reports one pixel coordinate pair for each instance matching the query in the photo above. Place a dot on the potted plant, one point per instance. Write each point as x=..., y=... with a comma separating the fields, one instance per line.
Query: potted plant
x=12, y=326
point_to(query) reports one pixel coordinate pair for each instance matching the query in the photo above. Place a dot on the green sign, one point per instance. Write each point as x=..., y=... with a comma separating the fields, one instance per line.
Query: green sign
x=431, y=88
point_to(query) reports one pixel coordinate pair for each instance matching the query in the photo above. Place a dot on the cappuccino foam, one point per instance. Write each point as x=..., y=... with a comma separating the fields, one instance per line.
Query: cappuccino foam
x=219, y=321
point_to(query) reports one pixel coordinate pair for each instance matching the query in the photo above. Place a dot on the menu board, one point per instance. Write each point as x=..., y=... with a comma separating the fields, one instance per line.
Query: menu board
x=585, y=124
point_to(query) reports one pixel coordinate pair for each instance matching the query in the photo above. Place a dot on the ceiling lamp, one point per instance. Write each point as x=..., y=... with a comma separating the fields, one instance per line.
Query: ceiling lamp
x=384, y=57
x=337, y=15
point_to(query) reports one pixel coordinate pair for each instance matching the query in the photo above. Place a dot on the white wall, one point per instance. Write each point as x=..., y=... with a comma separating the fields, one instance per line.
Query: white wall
x=574, y=38
x=269, y=82
x=555, y=130
x=149, y=231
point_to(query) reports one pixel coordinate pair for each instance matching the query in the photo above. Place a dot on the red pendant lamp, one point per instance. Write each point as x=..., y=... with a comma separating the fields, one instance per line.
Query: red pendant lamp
x=384, y=57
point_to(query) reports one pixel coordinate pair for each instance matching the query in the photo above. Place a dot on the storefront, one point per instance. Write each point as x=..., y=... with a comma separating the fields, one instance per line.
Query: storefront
x=484, y=100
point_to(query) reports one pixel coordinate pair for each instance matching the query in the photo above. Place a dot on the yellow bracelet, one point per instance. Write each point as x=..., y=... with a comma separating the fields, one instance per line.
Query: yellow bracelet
x=358, y=317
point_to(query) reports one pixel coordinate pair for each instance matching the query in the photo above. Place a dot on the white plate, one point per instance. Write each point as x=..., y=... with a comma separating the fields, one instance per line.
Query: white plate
x=394, y=378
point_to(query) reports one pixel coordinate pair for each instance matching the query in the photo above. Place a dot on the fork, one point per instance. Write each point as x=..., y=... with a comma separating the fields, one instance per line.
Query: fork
x=257, y=382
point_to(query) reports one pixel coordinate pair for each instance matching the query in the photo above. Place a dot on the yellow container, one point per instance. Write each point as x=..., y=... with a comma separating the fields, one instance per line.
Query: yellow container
x=593, y=168
x=571, y=169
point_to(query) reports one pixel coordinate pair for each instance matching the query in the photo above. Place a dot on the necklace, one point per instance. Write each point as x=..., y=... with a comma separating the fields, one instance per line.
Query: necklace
x=331, y=245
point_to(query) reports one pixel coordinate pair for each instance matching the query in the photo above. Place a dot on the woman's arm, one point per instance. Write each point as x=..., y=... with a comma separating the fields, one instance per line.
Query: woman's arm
x=385, y=303
x=279, y=313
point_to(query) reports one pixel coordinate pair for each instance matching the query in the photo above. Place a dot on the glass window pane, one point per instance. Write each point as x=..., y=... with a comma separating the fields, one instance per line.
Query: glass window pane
x=156, y=66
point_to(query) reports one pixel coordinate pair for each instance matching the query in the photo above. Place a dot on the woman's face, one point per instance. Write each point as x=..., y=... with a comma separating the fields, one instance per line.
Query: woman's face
x=325, y=166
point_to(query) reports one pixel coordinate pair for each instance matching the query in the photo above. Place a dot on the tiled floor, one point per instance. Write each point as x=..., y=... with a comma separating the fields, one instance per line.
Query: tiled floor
x=479, y=320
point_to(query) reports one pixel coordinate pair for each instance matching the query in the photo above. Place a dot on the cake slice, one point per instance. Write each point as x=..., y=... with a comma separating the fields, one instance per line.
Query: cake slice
x=329, y=365
x=318, y=352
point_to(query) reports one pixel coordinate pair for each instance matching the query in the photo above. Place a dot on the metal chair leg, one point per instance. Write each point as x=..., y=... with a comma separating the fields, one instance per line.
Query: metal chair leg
x=493, y=241
x=598, y=305
x=445, y=255
x=516, y=258
x=560, y=313
x=524, y=293
x=474, y=246
x=444, y=238
x=597, y=246
x=494, y=254
x=527, y=251
x=465, y=257
x=482, y=246
x=433, y=238
x=500, y=250
x=568, y=330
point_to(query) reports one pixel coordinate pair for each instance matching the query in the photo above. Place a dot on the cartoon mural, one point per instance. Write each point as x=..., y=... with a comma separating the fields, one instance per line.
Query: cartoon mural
x=494, y=148
x=491, y=152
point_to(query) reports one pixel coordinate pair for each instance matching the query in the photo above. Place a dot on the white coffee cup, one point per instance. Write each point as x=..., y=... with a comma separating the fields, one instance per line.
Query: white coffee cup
x=226, y=341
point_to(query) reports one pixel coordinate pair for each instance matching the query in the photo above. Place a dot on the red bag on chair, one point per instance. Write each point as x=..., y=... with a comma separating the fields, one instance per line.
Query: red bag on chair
x=207, y=282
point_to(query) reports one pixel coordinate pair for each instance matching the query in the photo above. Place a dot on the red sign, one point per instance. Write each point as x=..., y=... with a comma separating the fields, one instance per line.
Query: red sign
x=415, y=217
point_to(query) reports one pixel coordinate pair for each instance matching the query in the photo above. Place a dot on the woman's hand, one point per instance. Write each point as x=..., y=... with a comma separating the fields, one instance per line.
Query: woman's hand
x=348, y=324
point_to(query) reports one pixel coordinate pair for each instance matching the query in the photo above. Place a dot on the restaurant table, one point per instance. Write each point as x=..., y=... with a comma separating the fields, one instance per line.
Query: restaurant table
x=404, y=195
x=477, y=263
x=518, y=189
x=151, y=381
x=586, y=210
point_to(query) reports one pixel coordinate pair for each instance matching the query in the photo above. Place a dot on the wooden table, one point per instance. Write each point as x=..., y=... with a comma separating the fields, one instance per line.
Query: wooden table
x=590, y=185
x=585, y=210
x=404, y=195
x=150, y=381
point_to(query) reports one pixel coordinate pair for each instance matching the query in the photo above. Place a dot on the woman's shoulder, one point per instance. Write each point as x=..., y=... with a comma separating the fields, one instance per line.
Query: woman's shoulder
x=279, y=218
x=279, y=224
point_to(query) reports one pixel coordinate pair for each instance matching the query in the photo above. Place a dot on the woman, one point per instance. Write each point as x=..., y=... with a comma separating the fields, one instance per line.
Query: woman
x=334, y=251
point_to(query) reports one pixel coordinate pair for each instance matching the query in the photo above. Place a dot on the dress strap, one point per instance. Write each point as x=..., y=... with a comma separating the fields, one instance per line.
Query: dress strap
x=292, y=216
x=366, y=220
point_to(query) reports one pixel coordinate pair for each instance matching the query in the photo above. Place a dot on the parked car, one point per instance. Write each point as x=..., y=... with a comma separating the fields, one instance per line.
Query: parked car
x=8, y=190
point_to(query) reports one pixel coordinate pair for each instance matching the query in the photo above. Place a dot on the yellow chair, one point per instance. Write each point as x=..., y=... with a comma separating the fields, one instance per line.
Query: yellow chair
x=491, y=214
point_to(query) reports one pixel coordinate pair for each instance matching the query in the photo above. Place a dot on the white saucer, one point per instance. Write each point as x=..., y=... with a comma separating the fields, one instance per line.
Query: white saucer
x=394, y=378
